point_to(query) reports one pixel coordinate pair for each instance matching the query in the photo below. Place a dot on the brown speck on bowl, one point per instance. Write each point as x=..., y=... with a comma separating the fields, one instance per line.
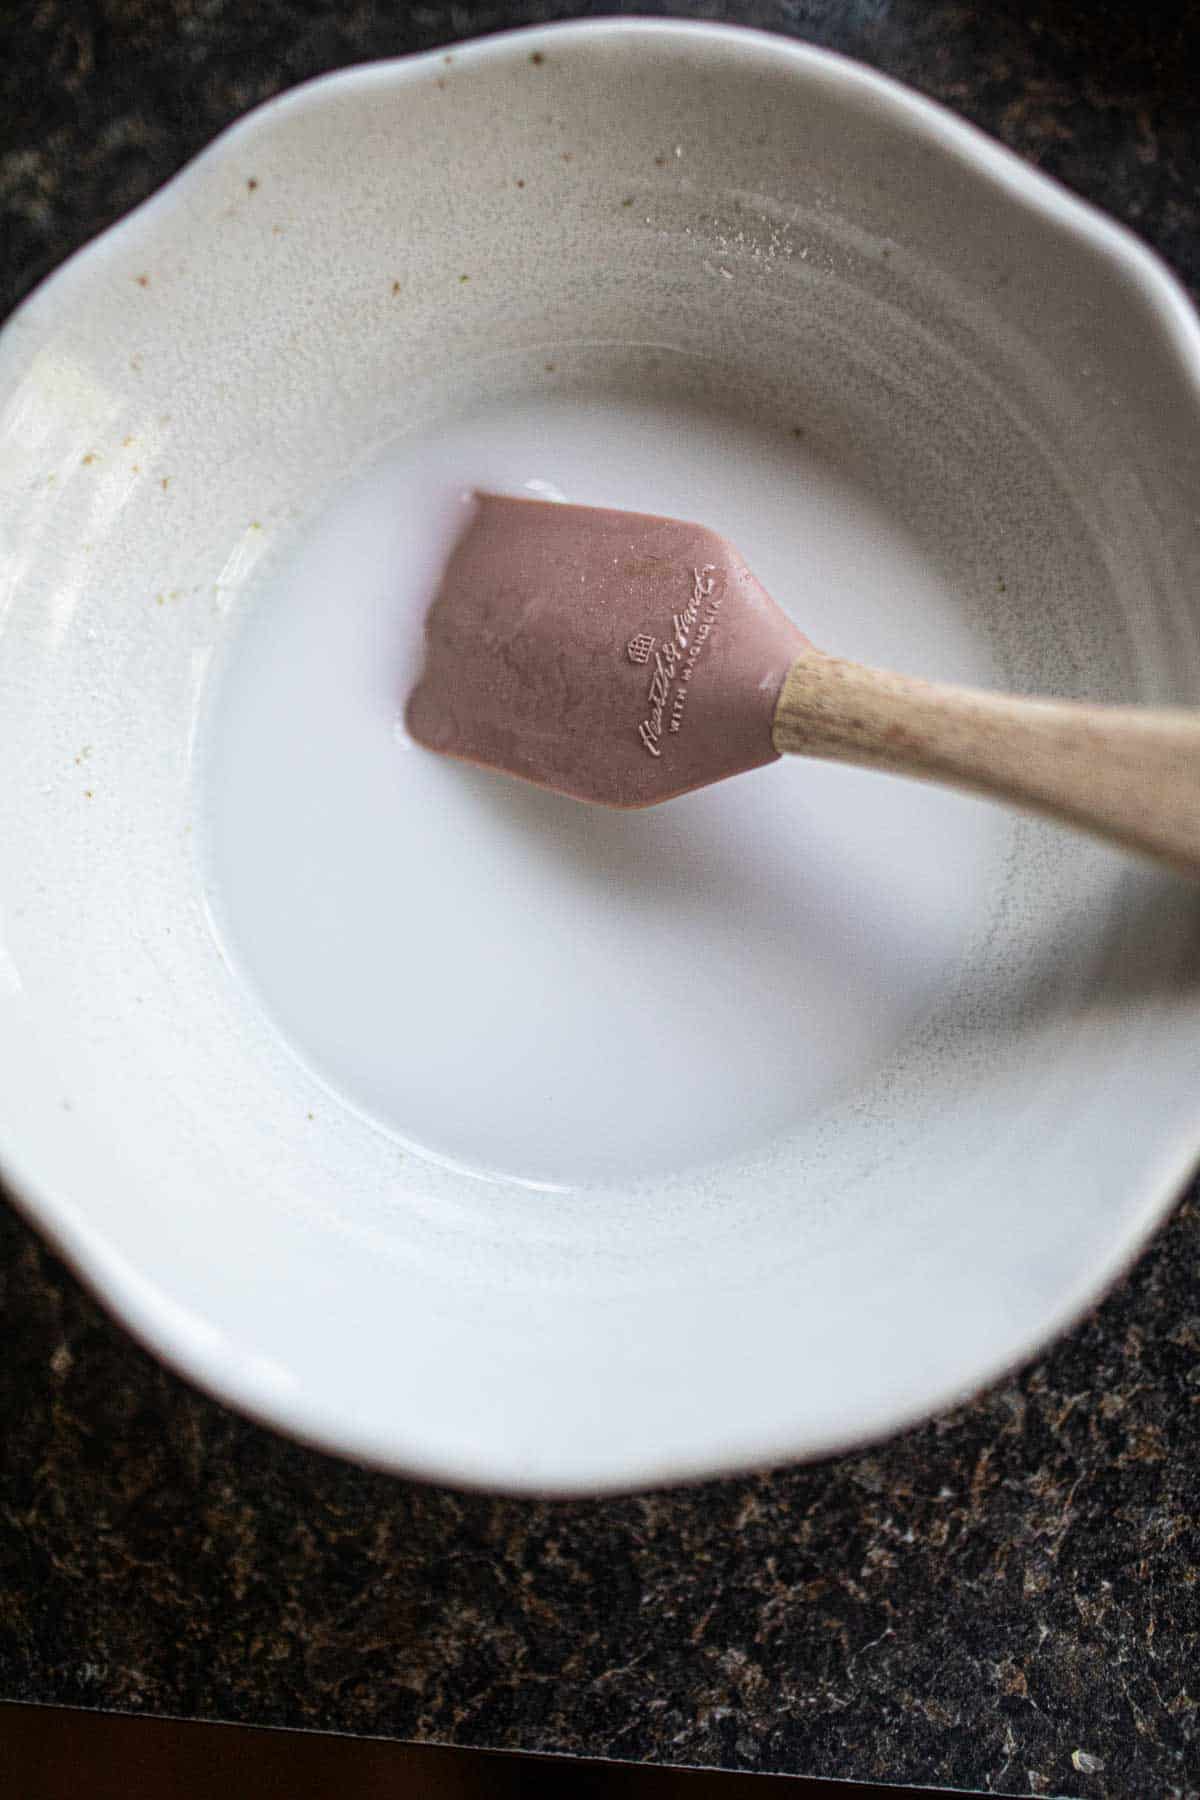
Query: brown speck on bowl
x=251, y=183
x=89, y=458
x=143, y=280
x=165, y=483
x=395, y=287
x=549, y=368
x=537, y=59
x=520, y=181
x=464, y=278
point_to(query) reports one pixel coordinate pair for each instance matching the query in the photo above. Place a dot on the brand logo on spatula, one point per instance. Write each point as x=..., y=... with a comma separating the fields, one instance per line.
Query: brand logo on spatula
x=675, y=659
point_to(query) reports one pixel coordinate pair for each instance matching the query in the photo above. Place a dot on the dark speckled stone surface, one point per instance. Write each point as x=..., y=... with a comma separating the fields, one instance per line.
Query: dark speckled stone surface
x=1007, y=1598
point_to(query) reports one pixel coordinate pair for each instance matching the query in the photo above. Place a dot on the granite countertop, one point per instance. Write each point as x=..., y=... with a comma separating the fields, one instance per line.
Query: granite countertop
x=1007, y=1598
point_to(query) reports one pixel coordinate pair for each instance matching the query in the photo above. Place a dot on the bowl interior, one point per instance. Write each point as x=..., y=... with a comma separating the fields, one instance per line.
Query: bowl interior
x=968, y=414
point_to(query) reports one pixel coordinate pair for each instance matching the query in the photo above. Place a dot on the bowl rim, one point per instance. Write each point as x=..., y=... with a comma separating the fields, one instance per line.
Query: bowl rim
x=157, y=1322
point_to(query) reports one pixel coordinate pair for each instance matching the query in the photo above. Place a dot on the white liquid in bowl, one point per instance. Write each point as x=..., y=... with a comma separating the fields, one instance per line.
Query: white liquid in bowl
x=529, y=987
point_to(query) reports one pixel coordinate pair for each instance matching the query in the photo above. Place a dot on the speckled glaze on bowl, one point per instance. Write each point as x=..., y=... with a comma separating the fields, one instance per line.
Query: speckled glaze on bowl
x=1014, y=373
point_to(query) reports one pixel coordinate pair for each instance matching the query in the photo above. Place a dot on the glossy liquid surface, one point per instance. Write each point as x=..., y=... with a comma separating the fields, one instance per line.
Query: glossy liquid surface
x=526, y=986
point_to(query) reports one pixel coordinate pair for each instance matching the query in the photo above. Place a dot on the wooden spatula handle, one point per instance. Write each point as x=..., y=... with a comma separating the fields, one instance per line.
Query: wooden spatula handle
x=1129, y=773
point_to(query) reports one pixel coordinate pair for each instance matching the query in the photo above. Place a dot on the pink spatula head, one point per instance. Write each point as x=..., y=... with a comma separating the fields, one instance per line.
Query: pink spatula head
x=615, y=656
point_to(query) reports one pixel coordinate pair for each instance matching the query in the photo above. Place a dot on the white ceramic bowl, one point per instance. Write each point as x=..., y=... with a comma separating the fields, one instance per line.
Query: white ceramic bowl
x=1001, y=367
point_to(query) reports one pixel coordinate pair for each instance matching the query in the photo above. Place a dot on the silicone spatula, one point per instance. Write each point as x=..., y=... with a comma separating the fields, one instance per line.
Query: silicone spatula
x=626, y=659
